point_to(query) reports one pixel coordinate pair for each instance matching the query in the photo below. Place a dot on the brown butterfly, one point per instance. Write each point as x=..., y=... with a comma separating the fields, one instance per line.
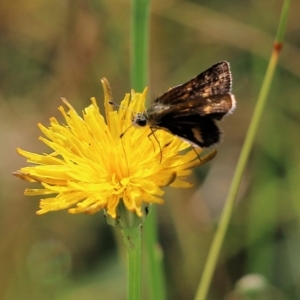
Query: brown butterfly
x=191, y=110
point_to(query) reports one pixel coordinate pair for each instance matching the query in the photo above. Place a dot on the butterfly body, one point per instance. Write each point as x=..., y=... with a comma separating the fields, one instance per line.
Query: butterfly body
x=191, y=110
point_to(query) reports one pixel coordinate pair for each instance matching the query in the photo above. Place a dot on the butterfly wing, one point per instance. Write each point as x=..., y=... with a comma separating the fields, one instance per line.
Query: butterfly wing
x=214, y=106
x=198, y=131
x=195, y=120
x=215, y=80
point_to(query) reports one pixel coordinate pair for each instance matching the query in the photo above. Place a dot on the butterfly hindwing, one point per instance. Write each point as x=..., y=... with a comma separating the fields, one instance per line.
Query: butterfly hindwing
x=199, y=131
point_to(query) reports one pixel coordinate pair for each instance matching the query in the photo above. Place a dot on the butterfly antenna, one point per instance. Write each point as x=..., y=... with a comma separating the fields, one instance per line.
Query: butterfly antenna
x=118, y=105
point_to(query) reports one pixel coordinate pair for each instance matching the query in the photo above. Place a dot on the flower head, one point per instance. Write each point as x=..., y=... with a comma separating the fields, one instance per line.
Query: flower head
x=93, y=168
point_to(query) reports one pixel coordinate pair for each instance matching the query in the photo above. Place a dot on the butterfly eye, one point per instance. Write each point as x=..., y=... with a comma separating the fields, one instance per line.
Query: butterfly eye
x=141, y=121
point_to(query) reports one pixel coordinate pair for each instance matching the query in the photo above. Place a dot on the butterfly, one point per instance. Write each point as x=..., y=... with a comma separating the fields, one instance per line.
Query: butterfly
x=191, y=110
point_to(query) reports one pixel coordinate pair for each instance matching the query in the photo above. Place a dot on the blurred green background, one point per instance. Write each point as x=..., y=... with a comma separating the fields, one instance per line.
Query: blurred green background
x=53, y=49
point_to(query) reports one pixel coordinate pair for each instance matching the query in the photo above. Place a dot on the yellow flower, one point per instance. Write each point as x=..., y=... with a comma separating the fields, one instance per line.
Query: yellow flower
x=92, y=168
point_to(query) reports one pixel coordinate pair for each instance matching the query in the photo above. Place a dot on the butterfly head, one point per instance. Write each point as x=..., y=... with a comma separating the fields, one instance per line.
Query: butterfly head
x=140, y=119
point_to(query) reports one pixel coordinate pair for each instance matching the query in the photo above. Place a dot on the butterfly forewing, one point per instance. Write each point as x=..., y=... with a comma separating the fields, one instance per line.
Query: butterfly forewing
x=215, y=104
x=213, y=81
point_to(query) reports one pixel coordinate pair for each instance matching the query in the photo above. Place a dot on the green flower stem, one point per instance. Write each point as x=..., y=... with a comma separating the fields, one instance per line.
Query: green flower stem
x=242, y=161
x=132, y=239
x=155, y=258
x=139, y=79
x=140, y=44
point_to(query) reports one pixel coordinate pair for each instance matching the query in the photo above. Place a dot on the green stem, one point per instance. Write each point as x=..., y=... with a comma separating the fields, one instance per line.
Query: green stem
x=139, y=79
x=132, y=239
x=140, y=44
x=242, y=161
x=155, y=258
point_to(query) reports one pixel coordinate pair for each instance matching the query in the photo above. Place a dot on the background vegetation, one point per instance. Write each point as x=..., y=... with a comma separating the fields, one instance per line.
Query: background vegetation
x=51, y=49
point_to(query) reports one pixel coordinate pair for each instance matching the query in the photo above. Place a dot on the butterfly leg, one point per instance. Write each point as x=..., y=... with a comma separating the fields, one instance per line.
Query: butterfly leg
x=153, y=133
x=197, y=154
